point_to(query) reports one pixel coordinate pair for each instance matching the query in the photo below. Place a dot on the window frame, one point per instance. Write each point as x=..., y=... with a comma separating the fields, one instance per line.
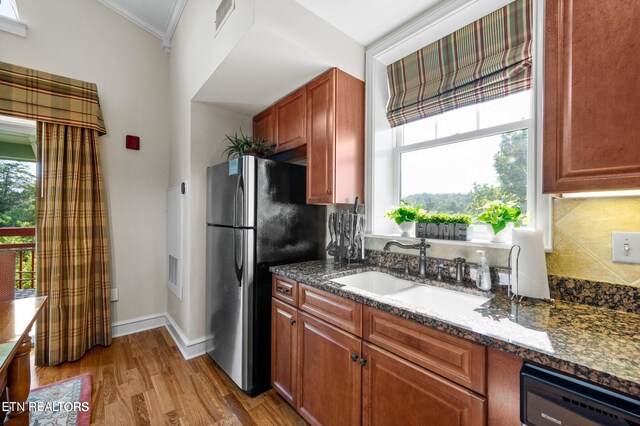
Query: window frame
x=383, y=150
x=13, y=26
x=401, y=148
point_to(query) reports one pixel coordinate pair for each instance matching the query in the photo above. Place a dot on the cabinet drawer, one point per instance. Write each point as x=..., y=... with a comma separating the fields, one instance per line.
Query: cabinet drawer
x=284, y=289
x=457, y=359
x=336, y=310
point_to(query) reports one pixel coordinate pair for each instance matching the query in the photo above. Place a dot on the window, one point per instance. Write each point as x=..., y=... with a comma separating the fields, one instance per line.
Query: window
x=9, y=9
x=458, y=161
x=453, y=162
x=18, y=197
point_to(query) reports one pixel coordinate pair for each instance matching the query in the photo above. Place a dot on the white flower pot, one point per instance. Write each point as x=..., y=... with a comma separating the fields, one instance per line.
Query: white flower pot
x=406, y=228
x=502, y=236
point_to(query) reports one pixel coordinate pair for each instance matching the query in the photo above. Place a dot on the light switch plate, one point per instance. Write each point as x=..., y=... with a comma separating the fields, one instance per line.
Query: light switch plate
x=625, y=247
x=115, y=294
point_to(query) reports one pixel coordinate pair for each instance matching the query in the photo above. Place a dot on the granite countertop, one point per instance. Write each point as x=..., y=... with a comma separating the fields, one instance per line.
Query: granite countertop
x=599, y=345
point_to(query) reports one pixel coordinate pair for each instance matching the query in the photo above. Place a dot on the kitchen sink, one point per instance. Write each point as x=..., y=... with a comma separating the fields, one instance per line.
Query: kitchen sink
x=419, y=295
x=375, y=282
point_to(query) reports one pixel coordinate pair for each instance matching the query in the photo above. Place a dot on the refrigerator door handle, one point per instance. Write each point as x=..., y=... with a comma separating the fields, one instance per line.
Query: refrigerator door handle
x=238, y=207
x=238, y=254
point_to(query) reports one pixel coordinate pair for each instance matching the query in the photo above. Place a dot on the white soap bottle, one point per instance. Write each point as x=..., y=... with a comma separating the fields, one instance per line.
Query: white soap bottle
x=483, y=277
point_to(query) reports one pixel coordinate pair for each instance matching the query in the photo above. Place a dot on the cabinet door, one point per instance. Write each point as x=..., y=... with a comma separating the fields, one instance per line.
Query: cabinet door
x=291, y=120
x=503, y=394
x=329, y=373
x=264, y=125
x=284, y=346
x=398, y=392
x=592, y=96
x=321, y=136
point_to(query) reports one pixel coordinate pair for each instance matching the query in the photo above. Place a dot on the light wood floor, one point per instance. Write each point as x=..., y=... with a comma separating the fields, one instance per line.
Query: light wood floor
x=142, y=379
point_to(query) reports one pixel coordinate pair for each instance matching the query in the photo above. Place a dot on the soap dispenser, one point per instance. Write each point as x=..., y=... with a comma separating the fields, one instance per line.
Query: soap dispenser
x=483, y=277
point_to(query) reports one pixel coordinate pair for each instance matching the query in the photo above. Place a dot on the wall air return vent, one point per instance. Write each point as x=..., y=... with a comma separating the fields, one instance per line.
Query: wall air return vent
x=175, y=226
x=223, y=12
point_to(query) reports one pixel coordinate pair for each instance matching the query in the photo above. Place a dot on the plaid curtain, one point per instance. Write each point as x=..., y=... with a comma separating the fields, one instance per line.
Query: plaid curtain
x=41, y=96
x=72, y=246
x=487, y=59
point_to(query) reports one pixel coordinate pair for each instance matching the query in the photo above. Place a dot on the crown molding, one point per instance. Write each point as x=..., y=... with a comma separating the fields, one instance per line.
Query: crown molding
x=174, y=18
x=162, y=33
x=126, y=13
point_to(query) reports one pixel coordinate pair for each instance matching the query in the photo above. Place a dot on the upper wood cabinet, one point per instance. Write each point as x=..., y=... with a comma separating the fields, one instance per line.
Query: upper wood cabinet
x=264, y=125
x=327, y=117
x=592, y=96
x=291, y=120
x=335, y=136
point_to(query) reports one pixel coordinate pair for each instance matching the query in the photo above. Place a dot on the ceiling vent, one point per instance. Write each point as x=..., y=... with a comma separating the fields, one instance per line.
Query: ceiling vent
x=223, y=11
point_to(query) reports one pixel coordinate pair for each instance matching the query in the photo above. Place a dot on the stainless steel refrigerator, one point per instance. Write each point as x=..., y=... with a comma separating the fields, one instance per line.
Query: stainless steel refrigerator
x=257, y=217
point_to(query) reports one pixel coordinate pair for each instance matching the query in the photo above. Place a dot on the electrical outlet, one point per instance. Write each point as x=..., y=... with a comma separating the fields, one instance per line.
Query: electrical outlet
x=115, y=294
x=625, y=247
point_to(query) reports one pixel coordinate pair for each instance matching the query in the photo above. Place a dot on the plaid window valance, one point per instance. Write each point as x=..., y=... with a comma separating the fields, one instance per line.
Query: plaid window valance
x=41, y=96
x=487, y=59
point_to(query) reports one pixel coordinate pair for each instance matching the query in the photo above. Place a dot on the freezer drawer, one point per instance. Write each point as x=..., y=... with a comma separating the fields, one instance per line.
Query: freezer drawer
x=230, y=301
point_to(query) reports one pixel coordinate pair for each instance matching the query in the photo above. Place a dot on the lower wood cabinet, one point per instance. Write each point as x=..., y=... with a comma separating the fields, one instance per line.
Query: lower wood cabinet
x=403, y=373
x=329, y=373
x=396, y=391
x=284, y=349
x=503, y=393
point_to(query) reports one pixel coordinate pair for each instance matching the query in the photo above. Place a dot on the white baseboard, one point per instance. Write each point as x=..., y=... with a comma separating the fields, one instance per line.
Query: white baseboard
x=188, y=348
x=136, y=325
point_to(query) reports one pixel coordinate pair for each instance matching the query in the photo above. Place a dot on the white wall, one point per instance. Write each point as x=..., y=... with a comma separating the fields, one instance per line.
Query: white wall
x=197, y=130
x=195, y=53
x=209, y=124
x=85, y=40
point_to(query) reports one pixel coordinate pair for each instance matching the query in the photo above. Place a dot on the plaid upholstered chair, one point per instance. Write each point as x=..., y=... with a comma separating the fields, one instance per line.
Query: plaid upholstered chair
x=7, y=275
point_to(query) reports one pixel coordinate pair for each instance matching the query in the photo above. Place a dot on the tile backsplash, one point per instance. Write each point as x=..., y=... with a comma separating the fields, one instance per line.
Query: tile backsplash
x=582, y=238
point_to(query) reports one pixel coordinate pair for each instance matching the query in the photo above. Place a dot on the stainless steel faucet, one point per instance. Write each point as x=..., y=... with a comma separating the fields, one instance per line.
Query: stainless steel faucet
x=423, y=246
x=459, y=262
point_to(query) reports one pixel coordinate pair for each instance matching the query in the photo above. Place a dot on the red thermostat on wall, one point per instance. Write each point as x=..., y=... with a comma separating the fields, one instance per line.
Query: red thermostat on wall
x=133, y=142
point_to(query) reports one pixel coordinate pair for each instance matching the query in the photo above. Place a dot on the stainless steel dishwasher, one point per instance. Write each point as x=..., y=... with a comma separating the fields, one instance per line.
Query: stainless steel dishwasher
x=548, y=398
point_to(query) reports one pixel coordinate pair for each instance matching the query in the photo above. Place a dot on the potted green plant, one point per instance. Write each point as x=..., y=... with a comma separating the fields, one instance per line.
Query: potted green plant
x=405, y=215
x=502, y=217
x=247, y=145
x=443, y=226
